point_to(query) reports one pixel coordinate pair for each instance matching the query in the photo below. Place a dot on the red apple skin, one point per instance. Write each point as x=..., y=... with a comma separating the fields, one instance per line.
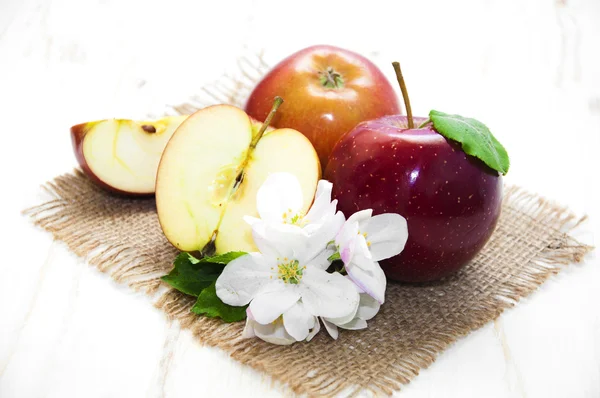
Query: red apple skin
x=451, y=201
x=323, y=114
x=78, y=133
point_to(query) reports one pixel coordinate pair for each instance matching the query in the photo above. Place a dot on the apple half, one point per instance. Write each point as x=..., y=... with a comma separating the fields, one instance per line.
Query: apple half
x=123, y=155
x=209, y=175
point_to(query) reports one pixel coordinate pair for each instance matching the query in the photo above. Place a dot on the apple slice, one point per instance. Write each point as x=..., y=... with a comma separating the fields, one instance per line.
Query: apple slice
x=123, y=155
x=210, y=172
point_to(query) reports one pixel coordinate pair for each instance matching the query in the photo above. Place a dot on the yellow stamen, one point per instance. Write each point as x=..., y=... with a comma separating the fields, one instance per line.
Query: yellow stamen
x=290, y=271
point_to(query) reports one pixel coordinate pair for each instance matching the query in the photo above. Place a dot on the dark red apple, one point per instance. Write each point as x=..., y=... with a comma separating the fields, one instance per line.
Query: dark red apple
x=451, y=200
x=327, y=91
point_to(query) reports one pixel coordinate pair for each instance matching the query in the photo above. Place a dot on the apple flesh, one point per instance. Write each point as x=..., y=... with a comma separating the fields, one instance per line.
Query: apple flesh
x=451, y=201
x=327, y=91
x=123, y=155
x=209, y=175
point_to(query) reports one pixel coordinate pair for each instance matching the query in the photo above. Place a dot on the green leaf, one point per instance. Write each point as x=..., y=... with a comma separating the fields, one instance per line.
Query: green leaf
x=192, y=259
x=191, y=275
x=223, y=258
x=210, y=305
x=475, y=138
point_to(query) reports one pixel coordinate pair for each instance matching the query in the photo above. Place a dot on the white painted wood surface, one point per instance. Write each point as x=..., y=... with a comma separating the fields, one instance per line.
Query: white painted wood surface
x=529, y=69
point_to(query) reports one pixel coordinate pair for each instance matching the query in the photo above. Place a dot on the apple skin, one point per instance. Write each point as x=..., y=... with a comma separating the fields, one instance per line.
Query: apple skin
x=451, y=201
x=78, y=133
x=323, y=114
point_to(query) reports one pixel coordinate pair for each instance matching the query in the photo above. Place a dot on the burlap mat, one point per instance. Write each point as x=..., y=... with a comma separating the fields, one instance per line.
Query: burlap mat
x=122, y=237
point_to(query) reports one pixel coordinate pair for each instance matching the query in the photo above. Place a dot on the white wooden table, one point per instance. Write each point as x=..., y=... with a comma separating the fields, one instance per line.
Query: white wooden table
x=528, y=69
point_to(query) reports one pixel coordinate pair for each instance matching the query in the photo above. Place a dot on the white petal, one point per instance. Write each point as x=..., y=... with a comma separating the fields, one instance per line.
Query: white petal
x=291, y=240
x=316, y=252
x=327, y=295
x=328, y=227
x=321, y=260
x=280, y=240
x=266, y=307
x=346, y=232
x=248, y=331
x=361, y=256
x=280, y=193
x=358, y=288
x=372, y=281
x=331, y=226
x=331, y=328
x=273, y=333
x=298, y=321
x=346, y=241
x=360, y=216
x=316, y=328
x=244, y=277
x=344, y=319
x=266, y=247
x=322, y=205
x=252, y=220
x=355, y=324
x=368, y=307
x=387, y=234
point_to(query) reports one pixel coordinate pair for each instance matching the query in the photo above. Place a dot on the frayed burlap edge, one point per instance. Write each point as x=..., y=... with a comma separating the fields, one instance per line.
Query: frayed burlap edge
x=123, y=263
x=295, y=366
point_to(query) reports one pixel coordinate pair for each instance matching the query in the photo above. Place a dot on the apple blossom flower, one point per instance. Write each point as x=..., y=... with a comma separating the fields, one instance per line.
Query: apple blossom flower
x=279, y=202
x=286, y=282
x=365, y=240
x=287, y=278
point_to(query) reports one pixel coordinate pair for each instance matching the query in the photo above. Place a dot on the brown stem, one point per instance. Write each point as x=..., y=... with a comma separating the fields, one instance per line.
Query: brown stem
x=396, y=65
x=276, y=103
x=331, y=79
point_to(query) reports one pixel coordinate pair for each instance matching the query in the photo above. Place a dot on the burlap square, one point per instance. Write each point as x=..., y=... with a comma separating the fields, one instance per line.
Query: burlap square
x=122, y=237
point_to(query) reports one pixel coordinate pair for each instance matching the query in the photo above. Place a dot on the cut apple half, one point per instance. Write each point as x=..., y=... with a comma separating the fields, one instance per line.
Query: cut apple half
x=123, y=155
x=210, y=173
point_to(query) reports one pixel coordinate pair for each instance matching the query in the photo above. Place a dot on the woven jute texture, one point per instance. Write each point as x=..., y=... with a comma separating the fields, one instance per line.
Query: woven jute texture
x=122, y=237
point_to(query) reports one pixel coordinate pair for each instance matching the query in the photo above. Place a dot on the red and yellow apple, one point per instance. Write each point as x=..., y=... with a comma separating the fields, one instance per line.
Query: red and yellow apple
x=123, y=155
x=210, y=173
x=327, y=91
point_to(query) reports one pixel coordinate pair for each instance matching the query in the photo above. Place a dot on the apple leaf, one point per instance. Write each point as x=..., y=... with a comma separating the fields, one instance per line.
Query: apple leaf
x=475, y=138
x=221, y=258
x=191, y=275
x=210, y=305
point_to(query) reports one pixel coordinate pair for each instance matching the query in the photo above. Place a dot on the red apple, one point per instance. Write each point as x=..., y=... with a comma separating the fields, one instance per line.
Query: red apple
x=451, y=200
x=327, y=91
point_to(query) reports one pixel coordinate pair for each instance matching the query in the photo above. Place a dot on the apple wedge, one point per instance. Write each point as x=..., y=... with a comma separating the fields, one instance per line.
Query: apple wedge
x=123, y=155
x=210, y=173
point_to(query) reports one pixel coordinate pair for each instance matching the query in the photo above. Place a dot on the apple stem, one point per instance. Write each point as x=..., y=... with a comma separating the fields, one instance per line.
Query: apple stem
x=426, y=122
x=276, y=104
x=396, y=65
x=331, y=79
